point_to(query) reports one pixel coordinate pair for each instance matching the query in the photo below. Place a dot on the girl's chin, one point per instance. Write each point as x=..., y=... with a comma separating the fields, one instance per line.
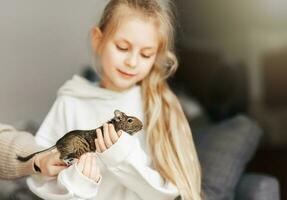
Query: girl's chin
x=124, y=86
x=120, y=84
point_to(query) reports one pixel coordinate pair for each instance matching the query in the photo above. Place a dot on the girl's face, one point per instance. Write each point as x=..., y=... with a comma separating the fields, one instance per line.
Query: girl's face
x=129, y=54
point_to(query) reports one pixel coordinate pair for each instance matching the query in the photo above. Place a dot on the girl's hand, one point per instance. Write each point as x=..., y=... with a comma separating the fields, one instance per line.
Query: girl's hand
x=88, y=166
x=50, y=163
x=106, y=140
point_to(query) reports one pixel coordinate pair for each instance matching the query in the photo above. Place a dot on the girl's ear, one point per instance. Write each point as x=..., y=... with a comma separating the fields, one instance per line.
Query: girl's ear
x=96, y=38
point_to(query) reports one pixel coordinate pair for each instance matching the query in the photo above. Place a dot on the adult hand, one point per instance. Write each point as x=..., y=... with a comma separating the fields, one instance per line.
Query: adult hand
x=88, y=166
x=49, y=163
x=106, y=140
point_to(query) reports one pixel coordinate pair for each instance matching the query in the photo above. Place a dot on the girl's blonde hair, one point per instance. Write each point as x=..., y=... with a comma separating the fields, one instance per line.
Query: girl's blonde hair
x=167, y=130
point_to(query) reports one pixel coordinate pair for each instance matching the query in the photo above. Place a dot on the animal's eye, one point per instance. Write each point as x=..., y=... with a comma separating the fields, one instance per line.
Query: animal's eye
x=130, y=120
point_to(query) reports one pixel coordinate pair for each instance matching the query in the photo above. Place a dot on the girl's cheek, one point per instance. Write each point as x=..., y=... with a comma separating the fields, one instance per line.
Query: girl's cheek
x=115, y=57
x=110, y=58
x=149, y=64
x=145, y=70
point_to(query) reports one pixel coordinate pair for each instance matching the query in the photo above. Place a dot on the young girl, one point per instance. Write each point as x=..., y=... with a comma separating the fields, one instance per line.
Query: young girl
x=134, y=42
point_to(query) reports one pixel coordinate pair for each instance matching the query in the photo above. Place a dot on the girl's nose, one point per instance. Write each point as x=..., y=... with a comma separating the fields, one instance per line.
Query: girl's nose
x=131, y=60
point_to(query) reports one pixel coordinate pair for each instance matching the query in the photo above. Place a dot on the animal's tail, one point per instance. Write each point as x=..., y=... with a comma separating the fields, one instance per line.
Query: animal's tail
x=26, y=158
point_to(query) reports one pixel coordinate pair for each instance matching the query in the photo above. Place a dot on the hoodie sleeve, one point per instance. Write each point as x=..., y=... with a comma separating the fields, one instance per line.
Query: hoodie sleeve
x=54, y=125
x=129, y=163
x=70, y=184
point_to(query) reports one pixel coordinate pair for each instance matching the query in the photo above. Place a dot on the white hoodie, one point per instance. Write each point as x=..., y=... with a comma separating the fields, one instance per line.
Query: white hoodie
x=126, y=168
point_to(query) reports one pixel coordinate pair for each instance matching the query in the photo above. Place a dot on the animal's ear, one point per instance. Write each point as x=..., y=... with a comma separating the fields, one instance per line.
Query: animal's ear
x=118, y=114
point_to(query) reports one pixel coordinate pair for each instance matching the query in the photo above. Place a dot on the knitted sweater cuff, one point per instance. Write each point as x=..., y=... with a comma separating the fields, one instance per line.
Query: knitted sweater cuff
x=16, y=143
x=27, y=168
x=5, y=128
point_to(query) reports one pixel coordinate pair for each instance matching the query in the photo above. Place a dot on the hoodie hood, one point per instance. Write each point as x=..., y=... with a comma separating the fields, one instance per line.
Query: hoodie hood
x=82, y=88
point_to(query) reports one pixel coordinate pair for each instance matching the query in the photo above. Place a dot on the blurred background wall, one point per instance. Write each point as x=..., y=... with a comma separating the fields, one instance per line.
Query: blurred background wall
x=250, y=35
x=236, y=29
x=42, y=44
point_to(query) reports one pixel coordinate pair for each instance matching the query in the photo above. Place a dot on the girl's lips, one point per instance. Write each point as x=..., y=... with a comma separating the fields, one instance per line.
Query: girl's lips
x=126, y=74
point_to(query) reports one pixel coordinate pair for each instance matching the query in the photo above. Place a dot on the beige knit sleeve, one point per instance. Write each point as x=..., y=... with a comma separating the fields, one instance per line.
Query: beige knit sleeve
x=13, y=143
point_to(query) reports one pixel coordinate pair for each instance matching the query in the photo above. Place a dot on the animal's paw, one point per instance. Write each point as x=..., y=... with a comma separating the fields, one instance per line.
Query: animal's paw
x=69, y=161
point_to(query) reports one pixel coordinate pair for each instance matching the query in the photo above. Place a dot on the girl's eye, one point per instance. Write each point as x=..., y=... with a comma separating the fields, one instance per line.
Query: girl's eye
x=122, y=48
x=145, y=56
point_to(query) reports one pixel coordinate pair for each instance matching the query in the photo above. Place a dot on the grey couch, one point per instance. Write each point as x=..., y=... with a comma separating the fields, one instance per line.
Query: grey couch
x=224, y=150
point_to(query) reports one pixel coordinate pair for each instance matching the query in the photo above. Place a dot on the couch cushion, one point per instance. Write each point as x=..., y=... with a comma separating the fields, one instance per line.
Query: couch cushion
x=254, y=186
x=224, y=151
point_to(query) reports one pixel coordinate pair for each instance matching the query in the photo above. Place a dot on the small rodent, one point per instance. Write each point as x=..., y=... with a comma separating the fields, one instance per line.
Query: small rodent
x=77, y=142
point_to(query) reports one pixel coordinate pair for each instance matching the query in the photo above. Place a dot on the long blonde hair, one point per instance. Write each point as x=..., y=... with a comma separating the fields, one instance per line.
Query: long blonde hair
x=168, y=133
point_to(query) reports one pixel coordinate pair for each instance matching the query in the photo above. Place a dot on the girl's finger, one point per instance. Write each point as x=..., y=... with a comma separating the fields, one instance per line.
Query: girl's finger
x=94, y=174
x=113, y=134
x=98, y=174
x=101, y=140
x=120, y=132
x=75, y=160
x=57, y=160
x=87, y=165
x=81, y=162
x=97, y=146
x=107, y=138
x=54, y=170
x=54, y=150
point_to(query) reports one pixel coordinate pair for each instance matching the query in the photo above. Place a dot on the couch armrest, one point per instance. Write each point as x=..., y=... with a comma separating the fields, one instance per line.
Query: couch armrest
x=257, y=187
